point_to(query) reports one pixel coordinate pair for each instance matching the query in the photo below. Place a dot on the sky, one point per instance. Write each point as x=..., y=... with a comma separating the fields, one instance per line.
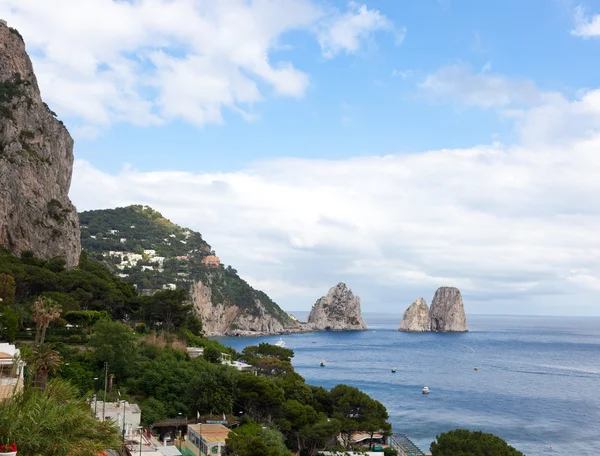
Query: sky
x=396, y=146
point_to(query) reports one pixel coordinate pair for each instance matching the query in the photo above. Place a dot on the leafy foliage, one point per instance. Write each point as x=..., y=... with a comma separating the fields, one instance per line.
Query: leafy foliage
x=55, y=422
x=462, y=442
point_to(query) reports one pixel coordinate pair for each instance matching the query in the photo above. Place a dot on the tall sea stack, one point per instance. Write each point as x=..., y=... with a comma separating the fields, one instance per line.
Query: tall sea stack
x=339, y=310
x=36, y=163
x=416, y=317
x=447, y=313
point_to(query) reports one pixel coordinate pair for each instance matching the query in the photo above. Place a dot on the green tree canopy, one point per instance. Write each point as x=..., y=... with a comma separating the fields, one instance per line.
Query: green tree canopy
x=113, y=343
x=462, y=442
x=7, y=289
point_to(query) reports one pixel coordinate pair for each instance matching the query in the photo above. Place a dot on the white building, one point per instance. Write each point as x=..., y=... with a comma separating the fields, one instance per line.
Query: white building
x=158, y=259
x=150, y=252
x=124, y=414
x=123, y=240
x=11, y=370
x=169, y=286
x=113, y=231
x=147, y=268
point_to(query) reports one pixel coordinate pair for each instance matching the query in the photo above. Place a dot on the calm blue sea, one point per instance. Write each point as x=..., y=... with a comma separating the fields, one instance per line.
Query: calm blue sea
x=537, y=384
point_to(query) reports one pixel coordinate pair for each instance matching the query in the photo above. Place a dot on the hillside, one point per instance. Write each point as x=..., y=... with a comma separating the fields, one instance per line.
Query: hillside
x=142, y=247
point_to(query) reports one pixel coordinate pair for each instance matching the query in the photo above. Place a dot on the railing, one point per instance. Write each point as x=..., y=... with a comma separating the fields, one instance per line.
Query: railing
x=405, y=446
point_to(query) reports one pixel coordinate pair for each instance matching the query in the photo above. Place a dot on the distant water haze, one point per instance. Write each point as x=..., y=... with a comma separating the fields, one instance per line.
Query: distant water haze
x=536, y=385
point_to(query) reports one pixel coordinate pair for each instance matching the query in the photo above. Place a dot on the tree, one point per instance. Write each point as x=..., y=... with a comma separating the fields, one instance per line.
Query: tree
x=43, y=361
x=462, y=442
x=356, y=411
x=270, y=360
x=252, y=439
x=9, y=323
x=212, y=354
x=113, y=343
x=86, y=318
x=260, y=398
x=7, y=290
x=43, y=312
x=54, y=422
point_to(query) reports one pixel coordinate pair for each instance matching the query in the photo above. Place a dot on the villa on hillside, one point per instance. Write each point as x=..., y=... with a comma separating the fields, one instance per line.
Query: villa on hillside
x=211, y=260
x=11, y=370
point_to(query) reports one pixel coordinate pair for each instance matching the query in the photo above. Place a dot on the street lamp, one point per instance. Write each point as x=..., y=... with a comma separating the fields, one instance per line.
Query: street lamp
x=95, y=399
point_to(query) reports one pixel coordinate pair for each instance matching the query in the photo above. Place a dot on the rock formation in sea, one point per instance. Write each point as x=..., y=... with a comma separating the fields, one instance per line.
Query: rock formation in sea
x=36, y=163
x=447, y=313
x=416, y=317
x=339, y=310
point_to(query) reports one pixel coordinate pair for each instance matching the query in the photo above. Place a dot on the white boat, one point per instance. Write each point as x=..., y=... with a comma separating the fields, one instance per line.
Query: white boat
x=425, y=390
x=323, y=363
x=394, y=370
x=280, y=343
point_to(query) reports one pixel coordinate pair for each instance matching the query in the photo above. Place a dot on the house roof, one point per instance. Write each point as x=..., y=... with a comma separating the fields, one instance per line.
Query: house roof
x=211, y=432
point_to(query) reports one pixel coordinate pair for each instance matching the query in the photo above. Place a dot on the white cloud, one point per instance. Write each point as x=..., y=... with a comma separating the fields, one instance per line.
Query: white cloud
x=586, y=26
x=515, y=227
x=345, y=32
x=485, y=90
x=151, y=61
x=402, y=74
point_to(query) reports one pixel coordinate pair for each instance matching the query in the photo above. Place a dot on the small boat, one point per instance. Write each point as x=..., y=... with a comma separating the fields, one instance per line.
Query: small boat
x=322, y=363
x=425, y=390
x=280, y=343
x=476, y=368
x=394, y=370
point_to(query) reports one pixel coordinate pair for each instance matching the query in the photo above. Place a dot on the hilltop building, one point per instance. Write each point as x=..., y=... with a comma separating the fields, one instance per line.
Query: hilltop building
x=211, y=260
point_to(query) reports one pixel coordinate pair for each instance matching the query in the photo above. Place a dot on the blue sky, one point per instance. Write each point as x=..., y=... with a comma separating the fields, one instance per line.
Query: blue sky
x=395, y=145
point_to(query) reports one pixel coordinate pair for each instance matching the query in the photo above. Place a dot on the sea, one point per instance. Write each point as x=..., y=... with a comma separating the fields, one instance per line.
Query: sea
x=533, y=381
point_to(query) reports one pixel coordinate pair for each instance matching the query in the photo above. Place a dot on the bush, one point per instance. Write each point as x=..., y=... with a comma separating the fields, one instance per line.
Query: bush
x=9, y=324
x=462, y=442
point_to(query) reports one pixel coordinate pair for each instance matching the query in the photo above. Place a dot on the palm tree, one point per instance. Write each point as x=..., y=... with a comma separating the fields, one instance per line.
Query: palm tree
x=44, y=311
x=55, y=422
x=44, y=360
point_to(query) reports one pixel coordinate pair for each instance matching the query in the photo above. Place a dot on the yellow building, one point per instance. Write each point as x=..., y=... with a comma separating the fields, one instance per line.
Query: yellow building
x=204, y=440
x=11, y=370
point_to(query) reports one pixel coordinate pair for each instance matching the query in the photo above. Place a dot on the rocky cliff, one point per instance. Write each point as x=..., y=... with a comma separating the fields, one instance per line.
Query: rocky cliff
x=416, y=317
x=447, y=313
x=227, y=319
x=36, y=163
x=339, y=310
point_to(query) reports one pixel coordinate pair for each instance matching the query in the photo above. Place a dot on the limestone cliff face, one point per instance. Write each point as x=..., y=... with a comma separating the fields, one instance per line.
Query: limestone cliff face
x=447, y=313
x=339, y=310
x=224, y=319
x=36, y=163
x=416, y=317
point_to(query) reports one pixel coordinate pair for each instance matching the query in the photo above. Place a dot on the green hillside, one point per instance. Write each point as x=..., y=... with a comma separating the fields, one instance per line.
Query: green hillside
x=146, y=249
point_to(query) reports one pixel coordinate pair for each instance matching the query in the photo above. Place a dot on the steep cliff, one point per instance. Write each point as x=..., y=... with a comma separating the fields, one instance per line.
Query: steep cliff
x=145, y=248
x=36, y=163
x=416, y=317
x=339, y=310
x=447, y=313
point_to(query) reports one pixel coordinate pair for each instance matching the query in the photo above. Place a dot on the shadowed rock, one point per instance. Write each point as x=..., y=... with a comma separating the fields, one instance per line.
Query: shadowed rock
x=339, y=310
x=447, y=313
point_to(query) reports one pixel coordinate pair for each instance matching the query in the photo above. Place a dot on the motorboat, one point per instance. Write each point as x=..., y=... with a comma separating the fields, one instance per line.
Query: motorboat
x=280, y=343
x=323, y=363
x=394, y=370
x=425, y=390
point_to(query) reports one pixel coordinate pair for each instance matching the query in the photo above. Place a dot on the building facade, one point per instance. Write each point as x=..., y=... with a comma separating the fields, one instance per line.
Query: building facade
x=204, y=440
x=11, y=370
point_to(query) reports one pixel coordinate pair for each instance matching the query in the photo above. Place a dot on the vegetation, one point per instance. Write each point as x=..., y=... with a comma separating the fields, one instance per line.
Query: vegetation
x=134, y=229
x=462, y=442
x=55, y=422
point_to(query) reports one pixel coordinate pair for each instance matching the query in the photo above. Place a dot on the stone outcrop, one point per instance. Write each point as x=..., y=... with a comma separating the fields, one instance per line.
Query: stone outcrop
x=226, y=319
x=339, y=310
x=36, y=163
x=447, y=313
x=416, y=317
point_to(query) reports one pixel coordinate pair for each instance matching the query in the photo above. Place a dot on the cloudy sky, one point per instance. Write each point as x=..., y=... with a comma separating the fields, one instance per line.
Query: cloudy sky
x=394, y=145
